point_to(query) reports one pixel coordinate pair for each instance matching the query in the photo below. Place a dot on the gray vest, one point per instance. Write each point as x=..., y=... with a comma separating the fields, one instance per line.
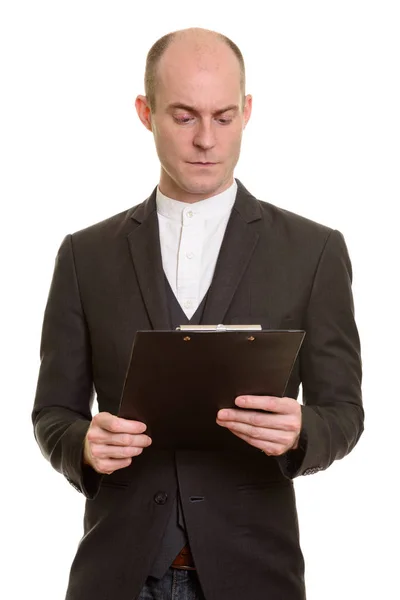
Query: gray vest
x=175, y=536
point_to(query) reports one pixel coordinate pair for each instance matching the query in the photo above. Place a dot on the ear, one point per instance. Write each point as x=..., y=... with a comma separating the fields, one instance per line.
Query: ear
x=248, y=104
x=143, y=111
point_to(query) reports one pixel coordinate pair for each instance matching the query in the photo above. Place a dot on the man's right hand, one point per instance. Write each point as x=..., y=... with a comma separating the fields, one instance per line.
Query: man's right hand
x=112, y=442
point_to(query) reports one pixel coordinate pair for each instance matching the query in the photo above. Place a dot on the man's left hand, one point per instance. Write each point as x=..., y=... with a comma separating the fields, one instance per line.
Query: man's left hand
x=271, y=424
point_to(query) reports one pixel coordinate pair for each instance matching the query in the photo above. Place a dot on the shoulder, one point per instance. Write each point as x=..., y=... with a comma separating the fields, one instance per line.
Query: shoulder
x=108, y=228
x=277, y=222
x=297, y=236
x=304, y=239
x=104, y=241
x=109, y=234
x=292, y=223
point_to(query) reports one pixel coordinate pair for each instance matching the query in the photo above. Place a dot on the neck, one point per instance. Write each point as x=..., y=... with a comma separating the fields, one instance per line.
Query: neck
x=171, y=189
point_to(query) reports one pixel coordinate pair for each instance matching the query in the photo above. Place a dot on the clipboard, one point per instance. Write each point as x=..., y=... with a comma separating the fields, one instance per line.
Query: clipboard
x=178, y=380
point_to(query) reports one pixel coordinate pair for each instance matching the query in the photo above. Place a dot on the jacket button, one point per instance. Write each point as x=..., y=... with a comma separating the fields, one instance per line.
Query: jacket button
x=161, y=498
x=312, y=470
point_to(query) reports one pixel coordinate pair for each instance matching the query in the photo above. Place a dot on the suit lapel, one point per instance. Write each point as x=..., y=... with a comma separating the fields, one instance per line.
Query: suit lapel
x=144, y=243
x=236, y=250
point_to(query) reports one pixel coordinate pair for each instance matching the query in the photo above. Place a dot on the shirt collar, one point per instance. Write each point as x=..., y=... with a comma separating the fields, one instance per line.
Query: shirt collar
x=207, y=209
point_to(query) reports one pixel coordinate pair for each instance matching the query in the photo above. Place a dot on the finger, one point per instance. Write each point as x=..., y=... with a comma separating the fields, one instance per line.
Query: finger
x=103, y=451
x=116, y=424
x=252, y=417
x=269, y=403
x=273, y=436
x=268, y=448
x=106, y=467
x=126, y=439
x=102, y=436
x=258, y=419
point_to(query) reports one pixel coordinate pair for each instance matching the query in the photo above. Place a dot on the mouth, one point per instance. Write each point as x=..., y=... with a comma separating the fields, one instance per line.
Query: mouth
x=203, y=164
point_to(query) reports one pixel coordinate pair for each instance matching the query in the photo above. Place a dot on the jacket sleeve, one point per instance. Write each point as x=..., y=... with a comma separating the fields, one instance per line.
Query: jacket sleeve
x=330, y=367
x=64, y=395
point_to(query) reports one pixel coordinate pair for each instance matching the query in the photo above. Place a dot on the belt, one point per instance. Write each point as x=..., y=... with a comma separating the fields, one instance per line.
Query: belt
x=184, y=560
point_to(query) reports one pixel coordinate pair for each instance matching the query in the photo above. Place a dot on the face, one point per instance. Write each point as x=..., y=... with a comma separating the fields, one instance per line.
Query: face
x=198, y=121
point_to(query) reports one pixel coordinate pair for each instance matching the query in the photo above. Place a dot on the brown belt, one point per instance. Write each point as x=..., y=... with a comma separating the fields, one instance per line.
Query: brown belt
x=184, y=560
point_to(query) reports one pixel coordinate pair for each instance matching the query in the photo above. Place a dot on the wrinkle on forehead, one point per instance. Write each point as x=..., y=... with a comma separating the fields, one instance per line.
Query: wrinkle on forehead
x=205, y=90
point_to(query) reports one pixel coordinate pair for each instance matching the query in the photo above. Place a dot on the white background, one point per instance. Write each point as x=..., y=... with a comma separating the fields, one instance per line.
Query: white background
x=323, y=141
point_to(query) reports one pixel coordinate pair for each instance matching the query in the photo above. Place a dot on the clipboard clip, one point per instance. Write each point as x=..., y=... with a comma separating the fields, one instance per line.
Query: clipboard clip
x=219, y=328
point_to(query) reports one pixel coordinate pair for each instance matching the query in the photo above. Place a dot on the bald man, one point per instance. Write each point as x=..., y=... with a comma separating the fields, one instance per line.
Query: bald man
x=183, y=524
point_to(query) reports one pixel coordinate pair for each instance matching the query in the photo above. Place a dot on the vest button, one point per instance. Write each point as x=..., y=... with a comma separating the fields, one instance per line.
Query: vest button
x=161, y=498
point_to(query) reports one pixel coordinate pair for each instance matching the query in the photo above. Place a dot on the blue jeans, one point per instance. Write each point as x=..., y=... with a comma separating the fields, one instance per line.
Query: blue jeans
x=177, y=584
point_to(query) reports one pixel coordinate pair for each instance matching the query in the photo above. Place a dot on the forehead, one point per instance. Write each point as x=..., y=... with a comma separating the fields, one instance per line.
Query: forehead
x=207, y=77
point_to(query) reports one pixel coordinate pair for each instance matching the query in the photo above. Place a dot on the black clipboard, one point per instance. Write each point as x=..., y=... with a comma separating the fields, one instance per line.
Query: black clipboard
x=178, y=380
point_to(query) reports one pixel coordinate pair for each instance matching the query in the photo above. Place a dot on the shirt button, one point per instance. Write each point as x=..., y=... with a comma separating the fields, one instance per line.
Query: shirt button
x=189, y=255
x=161, y=498
x=188, y=304
x=190, y=214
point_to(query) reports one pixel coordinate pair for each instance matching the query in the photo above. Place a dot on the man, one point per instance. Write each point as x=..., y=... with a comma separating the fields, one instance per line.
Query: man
x=185, y=524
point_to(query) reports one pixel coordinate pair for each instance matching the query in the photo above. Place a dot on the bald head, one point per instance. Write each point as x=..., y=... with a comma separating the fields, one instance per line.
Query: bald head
x=180, y=51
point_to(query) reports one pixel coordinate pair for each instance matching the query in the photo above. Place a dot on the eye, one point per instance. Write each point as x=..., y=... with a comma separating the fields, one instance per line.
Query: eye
x=183, y=120
x=224, y=121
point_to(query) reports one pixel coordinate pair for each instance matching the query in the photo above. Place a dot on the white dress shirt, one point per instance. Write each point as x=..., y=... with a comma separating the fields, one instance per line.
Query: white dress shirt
x=190, y=238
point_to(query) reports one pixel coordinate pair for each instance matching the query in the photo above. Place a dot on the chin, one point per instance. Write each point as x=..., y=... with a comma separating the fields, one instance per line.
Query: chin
x=201, y=186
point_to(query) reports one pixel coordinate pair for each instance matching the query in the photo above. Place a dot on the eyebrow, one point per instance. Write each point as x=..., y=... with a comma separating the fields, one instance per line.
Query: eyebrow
x=192, y=109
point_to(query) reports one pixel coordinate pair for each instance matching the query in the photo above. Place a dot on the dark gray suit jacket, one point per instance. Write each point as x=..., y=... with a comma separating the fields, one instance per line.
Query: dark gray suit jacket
x=274, y=268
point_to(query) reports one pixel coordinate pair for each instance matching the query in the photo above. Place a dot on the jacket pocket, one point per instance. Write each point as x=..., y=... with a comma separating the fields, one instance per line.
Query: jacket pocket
x=114, y=483
x=251, y=320
x=262, y=485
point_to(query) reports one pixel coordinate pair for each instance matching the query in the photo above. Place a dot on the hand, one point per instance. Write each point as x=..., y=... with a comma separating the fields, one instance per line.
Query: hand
x=112, y=442
x=275, y=431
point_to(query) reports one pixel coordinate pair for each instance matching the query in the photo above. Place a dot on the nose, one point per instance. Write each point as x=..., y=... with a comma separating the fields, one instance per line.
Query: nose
x=205, y=136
